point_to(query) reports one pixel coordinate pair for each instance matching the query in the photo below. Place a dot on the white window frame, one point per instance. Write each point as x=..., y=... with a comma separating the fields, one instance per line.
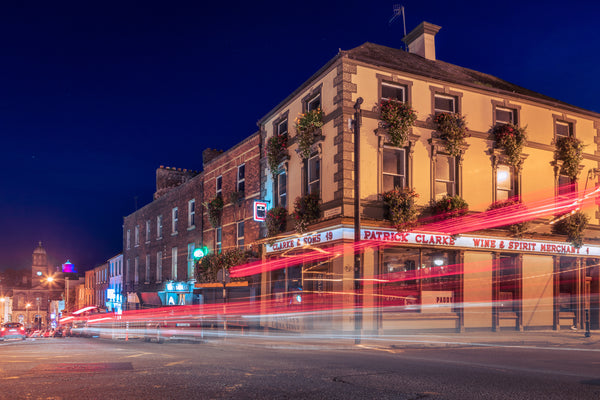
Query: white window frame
x=282, y=195
x=280, y=131
x=192, y=213
x=310, y=103
x=395, y=86
x=159, y=266
x=136, y=236
x=174, y=219
x=128, y=239
x=447, y=97
x=219, y=185
x=147, y=277
x=174, y=263
x=568, y=125
x=384, y=173
x=510, y=192
x=446, y=181
x=240, y=239
x=136, y=270
x=159, y=227
x=310, y=180
x=511, y=111
x=241, y=181
x=148, y=232
x=190, y=259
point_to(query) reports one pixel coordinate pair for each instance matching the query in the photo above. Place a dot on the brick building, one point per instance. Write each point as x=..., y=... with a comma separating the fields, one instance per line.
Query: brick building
x=159, y=239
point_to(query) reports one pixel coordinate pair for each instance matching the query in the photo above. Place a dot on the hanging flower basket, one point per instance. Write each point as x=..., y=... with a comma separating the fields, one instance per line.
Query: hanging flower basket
x=448, y=207
x=511, y=139
x=307, y=125
x=569, y=150
x=306, y=210
x=519, y=228
x=453, y=131
x=401, y=208
x=208, y=267
x=215, y=209
x=276, y=221
x=276, y=151
x=572, y=226
x=398, y=118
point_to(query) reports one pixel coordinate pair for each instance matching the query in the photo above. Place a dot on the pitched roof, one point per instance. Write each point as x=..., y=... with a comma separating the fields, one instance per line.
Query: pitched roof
x=401, y=60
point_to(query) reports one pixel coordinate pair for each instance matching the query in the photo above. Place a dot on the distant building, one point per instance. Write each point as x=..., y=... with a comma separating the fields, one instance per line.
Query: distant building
x=114, y=297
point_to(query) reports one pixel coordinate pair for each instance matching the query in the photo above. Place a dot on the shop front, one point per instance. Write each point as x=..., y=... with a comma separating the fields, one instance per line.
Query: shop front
x=424, y=281
x=176, y=293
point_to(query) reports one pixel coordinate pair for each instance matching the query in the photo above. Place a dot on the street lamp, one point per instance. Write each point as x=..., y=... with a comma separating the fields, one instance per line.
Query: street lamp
x=27, y=313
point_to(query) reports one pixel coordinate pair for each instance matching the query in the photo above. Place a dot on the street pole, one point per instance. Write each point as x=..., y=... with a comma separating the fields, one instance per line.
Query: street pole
x=357, y=267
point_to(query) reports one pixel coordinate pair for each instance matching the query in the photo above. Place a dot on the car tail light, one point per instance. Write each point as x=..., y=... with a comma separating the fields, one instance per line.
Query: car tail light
x=3, y=329
x=22, y=328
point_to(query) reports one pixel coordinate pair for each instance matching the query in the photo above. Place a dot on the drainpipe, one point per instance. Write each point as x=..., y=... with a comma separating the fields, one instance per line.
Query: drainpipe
x=357, y=274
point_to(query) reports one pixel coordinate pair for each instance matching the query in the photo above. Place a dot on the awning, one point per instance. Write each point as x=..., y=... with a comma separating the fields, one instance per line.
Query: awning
x=151, y=299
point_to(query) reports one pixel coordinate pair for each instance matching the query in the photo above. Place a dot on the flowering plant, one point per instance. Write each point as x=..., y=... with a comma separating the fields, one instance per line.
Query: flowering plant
x=215, y=209
x=276, y=221
x=453, y=130
x=401, y=207
x=307, y=125
x=208, y=267
x=518, y=228
x=276, y=150
x=398, y=117
x=573, y=226
x=306, y=209
x=511, y=139
x=449, y=207
x=569, y=150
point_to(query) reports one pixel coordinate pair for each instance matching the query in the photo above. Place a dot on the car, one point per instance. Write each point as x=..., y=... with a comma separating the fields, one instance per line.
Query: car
x=12, y=330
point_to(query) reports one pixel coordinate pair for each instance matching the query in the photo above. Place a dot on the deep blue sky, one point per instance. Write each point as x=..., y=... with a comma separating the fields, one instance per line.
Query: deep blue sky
x=94, y=96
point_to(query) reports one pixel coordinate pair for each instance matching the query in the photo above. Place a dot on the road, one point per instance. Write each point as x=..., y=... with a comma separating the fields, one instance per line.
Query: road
x=79, y=368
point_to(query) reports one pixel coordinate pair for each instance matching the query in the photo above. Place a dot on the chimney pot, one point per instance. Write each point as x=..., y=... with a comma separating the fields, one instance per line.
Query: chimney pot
x=421, y=40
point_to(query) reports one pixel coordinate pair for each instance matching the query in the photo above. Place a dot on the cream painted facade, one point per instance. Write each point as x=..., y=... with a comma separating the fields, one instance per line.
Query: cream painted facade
x=551, y=289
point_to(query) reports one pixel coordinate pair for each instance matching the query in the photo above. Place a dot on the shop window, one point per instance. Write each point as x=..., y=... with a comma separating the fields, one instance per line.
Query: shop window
x=567, y=284
x=504, y=182
x=445, y=176
x=394, y=168
x=508, y=282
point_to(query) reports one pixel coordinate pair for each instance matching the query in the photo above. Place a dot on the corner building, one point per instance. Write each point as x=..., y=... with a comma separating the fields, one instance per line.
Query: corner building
x=481, y=279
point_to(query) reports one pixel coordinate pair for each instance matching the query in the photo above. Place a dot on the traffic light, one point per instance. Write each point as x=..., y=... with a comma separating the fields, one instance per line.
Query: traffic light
x=200, y=252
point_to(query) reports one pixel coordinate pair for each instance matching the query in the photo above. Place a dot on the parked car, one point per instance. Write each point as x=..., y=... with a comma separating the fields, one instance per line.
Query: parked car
x=12, y=330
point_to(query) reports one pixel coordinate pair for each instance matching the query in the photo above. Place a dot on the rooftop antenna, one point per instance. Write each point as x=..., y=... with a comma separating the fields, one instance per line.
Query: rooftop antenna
x=399, y=9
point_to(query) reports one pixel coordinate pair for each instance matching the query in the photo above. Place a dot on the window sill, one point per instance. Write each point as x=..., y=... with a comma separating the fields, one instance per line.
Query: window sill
x=191, y=228
x=174, y=233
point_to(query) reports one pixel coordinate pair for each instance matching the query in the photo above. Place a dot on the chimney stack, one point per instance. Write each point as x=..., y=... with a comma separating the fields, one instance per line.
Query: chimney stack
x=421, y=40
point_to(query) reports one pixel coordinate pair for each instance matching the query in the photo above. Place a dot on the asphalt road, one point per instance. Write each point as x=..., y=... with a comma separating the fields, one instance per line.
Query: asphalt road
x=78, y=368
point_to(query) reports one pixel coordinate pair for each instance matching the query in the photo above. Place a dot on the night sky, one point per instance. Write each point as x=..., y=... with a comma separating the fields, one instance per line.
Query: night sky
x=94, y=96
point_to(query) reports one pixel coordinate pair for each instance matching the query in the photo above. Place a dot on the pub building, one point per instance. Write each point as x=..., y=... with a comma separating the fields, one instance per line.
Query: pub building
x=480, y=277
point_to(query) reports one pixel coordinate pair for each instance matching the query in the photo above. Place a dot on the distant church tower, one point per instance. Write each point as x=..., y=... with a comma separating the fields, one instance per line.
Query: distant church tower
x=39, y=268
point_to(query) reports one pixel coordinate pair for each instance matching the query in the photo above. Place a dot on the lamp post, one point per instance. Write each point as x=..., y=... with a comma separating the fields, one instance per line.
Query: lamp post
x=357, y=286
x=27, y=313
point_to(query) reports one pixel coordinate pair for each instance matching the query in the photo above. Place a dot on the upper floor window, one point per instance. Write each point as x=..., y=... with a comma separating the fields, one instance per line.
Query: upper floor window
x=394, y=168
x=147, y=271
x=219, y=186
x=314, y=174
x=158, y=266
x=240, y=234
x=159, y=227
x=393, y=91
x=218, y=242
x=174, y=263
x=136, y=269
x=565, y=185
x=148, y=230
x=445, y=104
x=445, y=176
x=562, y=128
x=314, y=102
x=241, y=178
x=506, y=115
x=504, y=183
x=282, y=189
x=128, y=239
x=282, y=127
x=137, y=235
x=192, y=213
x=174, y=218
x=190, y=259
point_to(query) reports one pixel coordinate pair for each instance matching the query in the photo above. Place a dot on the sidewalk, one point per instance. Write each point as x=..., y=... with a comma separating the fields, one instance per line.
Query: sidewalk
x=564, y=339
